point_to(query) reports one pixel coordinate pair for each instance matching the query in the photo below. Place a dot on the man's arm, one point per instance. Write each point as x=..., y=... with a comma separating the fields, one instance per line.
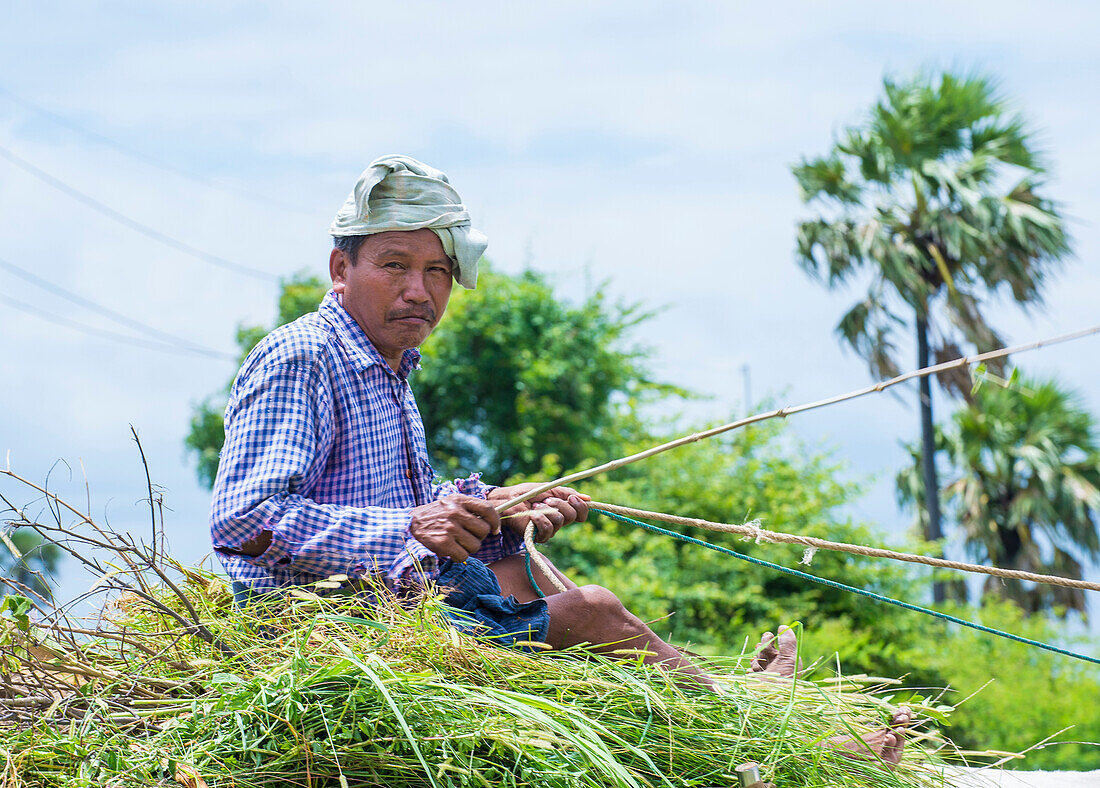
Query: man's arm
x=279, y=431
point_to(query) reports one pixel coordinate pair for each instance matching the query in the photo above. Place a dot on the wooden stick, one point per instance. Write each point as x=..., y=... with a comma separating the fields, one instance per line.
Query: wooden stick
x=789, y=411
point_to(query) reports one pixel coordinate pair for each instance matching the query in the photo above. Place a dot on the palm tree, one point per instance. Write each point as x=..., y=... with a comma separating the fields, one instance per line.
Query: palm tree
x=933, y=201
x=1023, y=483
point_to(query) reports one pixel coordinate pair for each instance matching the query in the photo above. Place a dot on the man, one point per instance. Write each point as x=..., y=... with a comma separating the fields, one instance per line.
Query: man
x=325, y=468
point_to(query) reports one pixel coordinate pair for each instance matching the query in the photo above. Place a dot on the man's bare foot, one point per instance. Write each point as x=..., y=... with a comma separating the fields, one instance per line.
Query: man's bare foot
x=886, y=744
x=778, y=655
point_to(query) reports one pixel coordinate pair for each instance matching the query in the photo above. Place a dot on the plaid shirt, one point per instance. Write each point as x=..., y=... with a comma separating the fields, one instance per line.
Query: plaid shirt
x=324, y=448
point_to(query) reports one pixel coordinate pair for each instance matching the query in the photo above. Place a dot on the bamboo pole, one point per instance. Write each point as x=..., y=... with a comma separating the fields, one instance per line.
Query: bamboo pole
x=790, y=411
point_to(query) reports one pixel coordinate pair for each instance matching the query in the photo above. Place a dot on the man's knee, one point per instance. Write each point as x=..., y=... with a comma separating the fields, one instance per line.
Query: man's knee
x=591, y=614
x=601, y=604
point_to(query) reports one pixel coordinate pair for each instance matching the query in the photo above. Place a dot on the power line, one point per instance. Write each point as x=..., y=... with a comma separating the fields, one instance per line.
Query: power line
x=133, y=224
x=137, y=155
x=112, y=335
x=171, y=339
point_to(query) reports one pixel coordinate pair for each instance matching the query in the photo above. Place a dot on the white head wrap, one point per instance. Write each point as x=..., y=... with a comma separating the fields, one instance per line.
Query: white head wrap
x=401, y=193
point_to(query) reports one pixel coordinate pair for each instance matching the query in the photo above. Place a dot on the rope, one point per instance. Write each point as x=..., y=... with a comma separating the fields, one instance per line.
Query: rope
x=830, y=583
x=533, y=553
x=761, y=535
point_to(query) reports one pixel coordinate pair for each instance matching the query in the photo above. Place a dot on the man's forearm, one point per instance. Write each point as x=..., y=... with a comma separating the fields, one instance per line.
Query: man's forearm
x=291, y=533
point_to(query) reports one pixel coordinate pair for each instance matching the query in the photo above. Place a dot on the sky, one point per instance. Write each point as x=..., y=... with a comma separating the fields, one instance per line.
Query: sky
x=644, y=145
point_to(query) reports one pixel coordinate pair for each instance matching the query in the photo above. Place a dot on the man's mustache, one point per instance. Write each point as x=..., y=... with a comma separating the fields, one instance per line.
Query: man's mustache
x=424, y=314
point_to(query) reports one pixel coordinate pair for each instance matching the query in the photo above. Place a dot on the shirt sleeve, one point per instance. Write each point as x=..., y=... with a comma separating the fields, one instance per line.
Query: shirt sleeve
x=278, y=434
x=471, y=485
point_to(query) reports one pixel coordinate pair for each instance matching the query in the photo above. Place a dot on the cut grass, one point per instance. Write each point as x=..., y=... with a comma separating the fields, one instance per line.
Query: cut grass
x=325, y=692
x=171, y=684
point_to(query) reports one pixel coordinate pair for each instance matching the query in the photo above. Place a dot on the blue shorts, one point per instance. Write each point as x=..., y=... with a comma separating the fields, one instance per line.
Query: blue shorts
x=474, y=605
x=477, y=606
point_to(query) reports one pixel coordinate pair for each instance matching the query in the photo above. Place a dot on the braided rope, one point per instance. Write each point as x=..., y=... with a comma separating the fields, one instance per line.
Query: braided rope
x=533, y=554
x=862, y=592
x=762, y=535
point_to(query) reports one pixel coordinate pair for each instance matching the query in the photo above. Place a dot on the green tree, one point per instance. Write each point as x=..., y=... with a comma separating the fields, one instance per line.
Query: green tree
x=514, y=373
x=933, y=200
x=28, y=560
x=298, y=296
x=1010, y=695
x=1023, y=483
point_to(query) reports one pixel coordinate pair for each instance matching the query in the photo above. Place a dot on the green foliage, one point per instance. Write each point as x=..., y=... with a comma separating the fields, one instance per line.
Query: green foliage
x=514, y=373
x=31, y=563
x=1023, y=484
x=389, y=695
x=298, y=295
x=915, y=195
x=17, y=609
x=715, y=604
x=1034, y=694
x=712, y=601
x=1008, y=696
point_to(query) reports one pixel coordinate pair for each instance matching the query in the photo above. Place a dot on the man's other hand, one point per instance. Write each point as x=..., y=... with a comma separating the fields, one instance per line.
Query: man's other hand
x=553, y=509
x=455, y=526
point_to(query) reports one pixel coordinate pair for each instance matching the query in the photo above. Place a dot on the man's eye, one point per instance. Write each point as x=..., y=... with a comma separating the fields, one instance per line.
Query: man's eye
x=393, y=265
x=440, y=269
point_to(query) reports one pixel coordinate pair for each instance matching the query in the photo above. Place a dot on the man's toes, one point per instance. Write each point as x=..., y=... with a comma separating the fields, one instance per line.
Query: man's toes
x=788, y=641
x=786, y=663
x=893, y=744
x=765, y=653
x=894, y=741
x=887, y=743
x=902, y=718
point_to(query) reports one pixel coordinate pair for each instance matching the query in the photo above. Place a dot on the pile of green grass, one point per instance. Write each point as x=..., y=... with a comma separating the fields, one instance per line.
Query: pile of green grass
x=326, y=692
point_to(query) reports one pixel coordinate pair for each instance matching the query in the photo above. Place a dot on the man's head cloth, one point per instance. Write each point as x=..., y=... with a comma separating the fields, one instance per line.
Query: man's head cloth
x=401, y=193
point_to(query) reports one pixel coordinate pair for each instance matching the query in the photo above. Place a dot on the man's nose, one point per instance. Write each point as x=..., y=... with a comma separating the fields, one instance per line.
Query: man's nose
x=416, y=289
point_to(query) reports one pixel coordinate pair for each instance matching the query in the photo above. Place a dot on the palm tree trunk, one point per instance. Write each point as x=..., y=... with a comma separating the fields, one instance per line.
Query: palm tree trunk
x=933, y=530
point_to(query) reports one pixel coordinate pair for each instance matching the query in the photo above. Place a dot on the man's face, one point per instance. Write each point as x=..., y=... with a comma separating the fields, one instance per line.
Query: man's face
x=397, y=290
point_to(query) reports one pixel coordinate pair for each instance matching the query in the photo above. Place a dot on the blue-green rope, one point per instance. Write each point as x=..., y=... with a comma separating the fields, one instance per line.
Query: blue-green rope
x=831, y=584
x=531, y=575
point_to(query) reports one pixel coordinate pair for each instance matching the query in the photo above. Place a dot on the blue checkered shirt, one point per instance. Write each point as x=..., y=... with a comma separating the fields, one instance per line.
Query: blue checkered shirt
x=324, y=448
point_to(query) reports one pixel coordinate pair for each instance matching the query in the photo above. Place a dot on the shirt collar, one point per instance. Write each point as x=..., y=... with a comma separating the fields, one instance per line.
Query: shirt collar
x=362, y=352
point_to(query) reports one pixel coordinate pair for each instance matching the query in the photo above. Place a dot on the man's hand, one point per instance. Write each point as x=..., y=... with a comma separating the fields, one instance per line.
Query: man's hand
x=455, y=526
x=560, y=506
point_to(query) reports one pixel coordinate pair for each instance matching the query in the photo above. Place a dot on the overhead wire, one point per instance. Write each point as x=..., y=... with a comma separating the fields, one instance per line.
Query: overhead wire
x=133, y=224
x=182, y=343
x=139, y=156
x=106, y=334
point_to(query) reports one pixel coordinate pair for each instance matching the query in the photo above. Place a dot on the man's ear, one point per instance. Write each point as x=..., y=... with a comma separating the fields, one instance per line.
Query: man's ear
x=338, y=264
